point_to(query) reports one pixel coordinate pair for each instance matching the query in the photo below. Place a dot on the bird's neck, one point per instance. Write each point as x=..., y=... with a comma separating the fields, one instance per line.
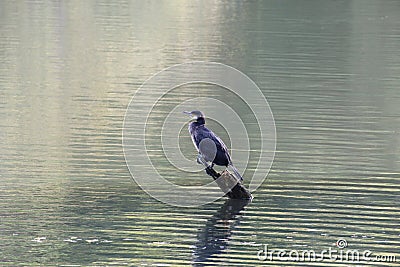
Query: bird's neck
x=200, y=121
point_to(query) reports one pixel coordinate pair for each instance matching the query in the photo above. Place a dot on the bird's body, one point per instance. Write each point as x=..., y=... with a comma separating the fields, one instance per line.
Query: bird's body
x=208, y=144
x=199, y=132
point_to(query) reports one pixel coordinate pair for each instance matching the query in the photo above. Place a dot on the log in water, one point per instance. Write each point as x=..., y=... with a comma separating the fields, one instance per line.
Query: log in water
x=229, y=184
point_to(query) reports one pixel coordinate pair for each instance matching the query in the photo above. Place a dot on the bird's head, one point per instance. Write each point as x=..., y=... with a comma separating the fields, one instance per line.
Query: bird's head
x=196, y=114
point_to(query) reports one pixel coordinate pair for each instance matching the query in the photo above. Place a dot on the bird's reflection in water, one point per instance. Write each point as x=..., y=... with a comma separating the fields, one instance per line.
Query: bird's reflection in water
x=213, y=238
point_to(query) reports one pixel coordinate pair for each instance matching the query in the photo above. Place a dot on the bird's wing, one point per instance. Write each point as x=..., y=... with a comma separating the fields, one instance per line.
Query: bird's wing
x=224, y=148
x=219, y=141
x=207, y=133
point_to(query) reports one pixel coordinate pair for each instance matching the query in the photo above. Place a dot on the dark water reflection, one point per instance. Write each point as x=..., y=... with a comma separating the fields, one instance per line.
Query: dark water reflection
x=214, y=238
x=329, y=69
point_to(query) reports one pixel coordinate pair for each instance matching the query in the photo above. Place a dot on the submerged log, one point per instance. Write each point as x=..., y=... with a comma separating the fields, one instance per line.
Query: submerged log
x=229, y=184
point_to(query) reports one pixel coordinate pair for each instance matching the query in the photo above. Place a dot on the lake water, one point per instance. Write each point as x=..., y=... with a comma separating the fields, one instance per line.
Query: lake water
x=329, y=69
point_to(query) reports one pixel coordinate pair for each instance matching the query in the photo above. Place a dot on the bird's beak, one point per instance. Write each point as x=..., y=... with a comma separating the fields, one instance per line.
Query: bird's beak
x=188, y=113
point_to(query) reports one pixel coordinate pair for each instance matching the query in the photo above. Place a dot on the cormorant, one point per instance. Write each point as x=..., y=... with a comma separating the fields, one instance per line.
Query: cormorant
x=210, y=147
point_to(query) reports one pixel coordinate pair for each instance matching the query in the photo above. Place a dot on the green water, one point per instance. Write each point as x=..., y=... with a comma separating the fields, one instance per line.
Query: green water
x=329, y=69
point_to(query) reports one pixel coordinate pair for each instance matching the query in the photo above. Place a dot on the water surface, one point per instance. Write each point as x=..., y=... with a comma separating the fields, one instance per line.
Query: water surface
x=330, y=71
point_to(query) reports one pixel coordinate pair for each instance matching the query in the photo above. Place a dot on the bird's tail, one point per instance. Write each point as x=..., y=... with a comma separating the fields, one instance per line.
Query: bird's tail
x=236, y=172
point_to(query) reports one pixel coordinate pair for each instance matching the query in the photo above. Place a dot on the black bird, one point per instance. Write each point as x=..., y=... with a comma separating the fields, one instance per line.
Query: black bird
x=210, y=147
